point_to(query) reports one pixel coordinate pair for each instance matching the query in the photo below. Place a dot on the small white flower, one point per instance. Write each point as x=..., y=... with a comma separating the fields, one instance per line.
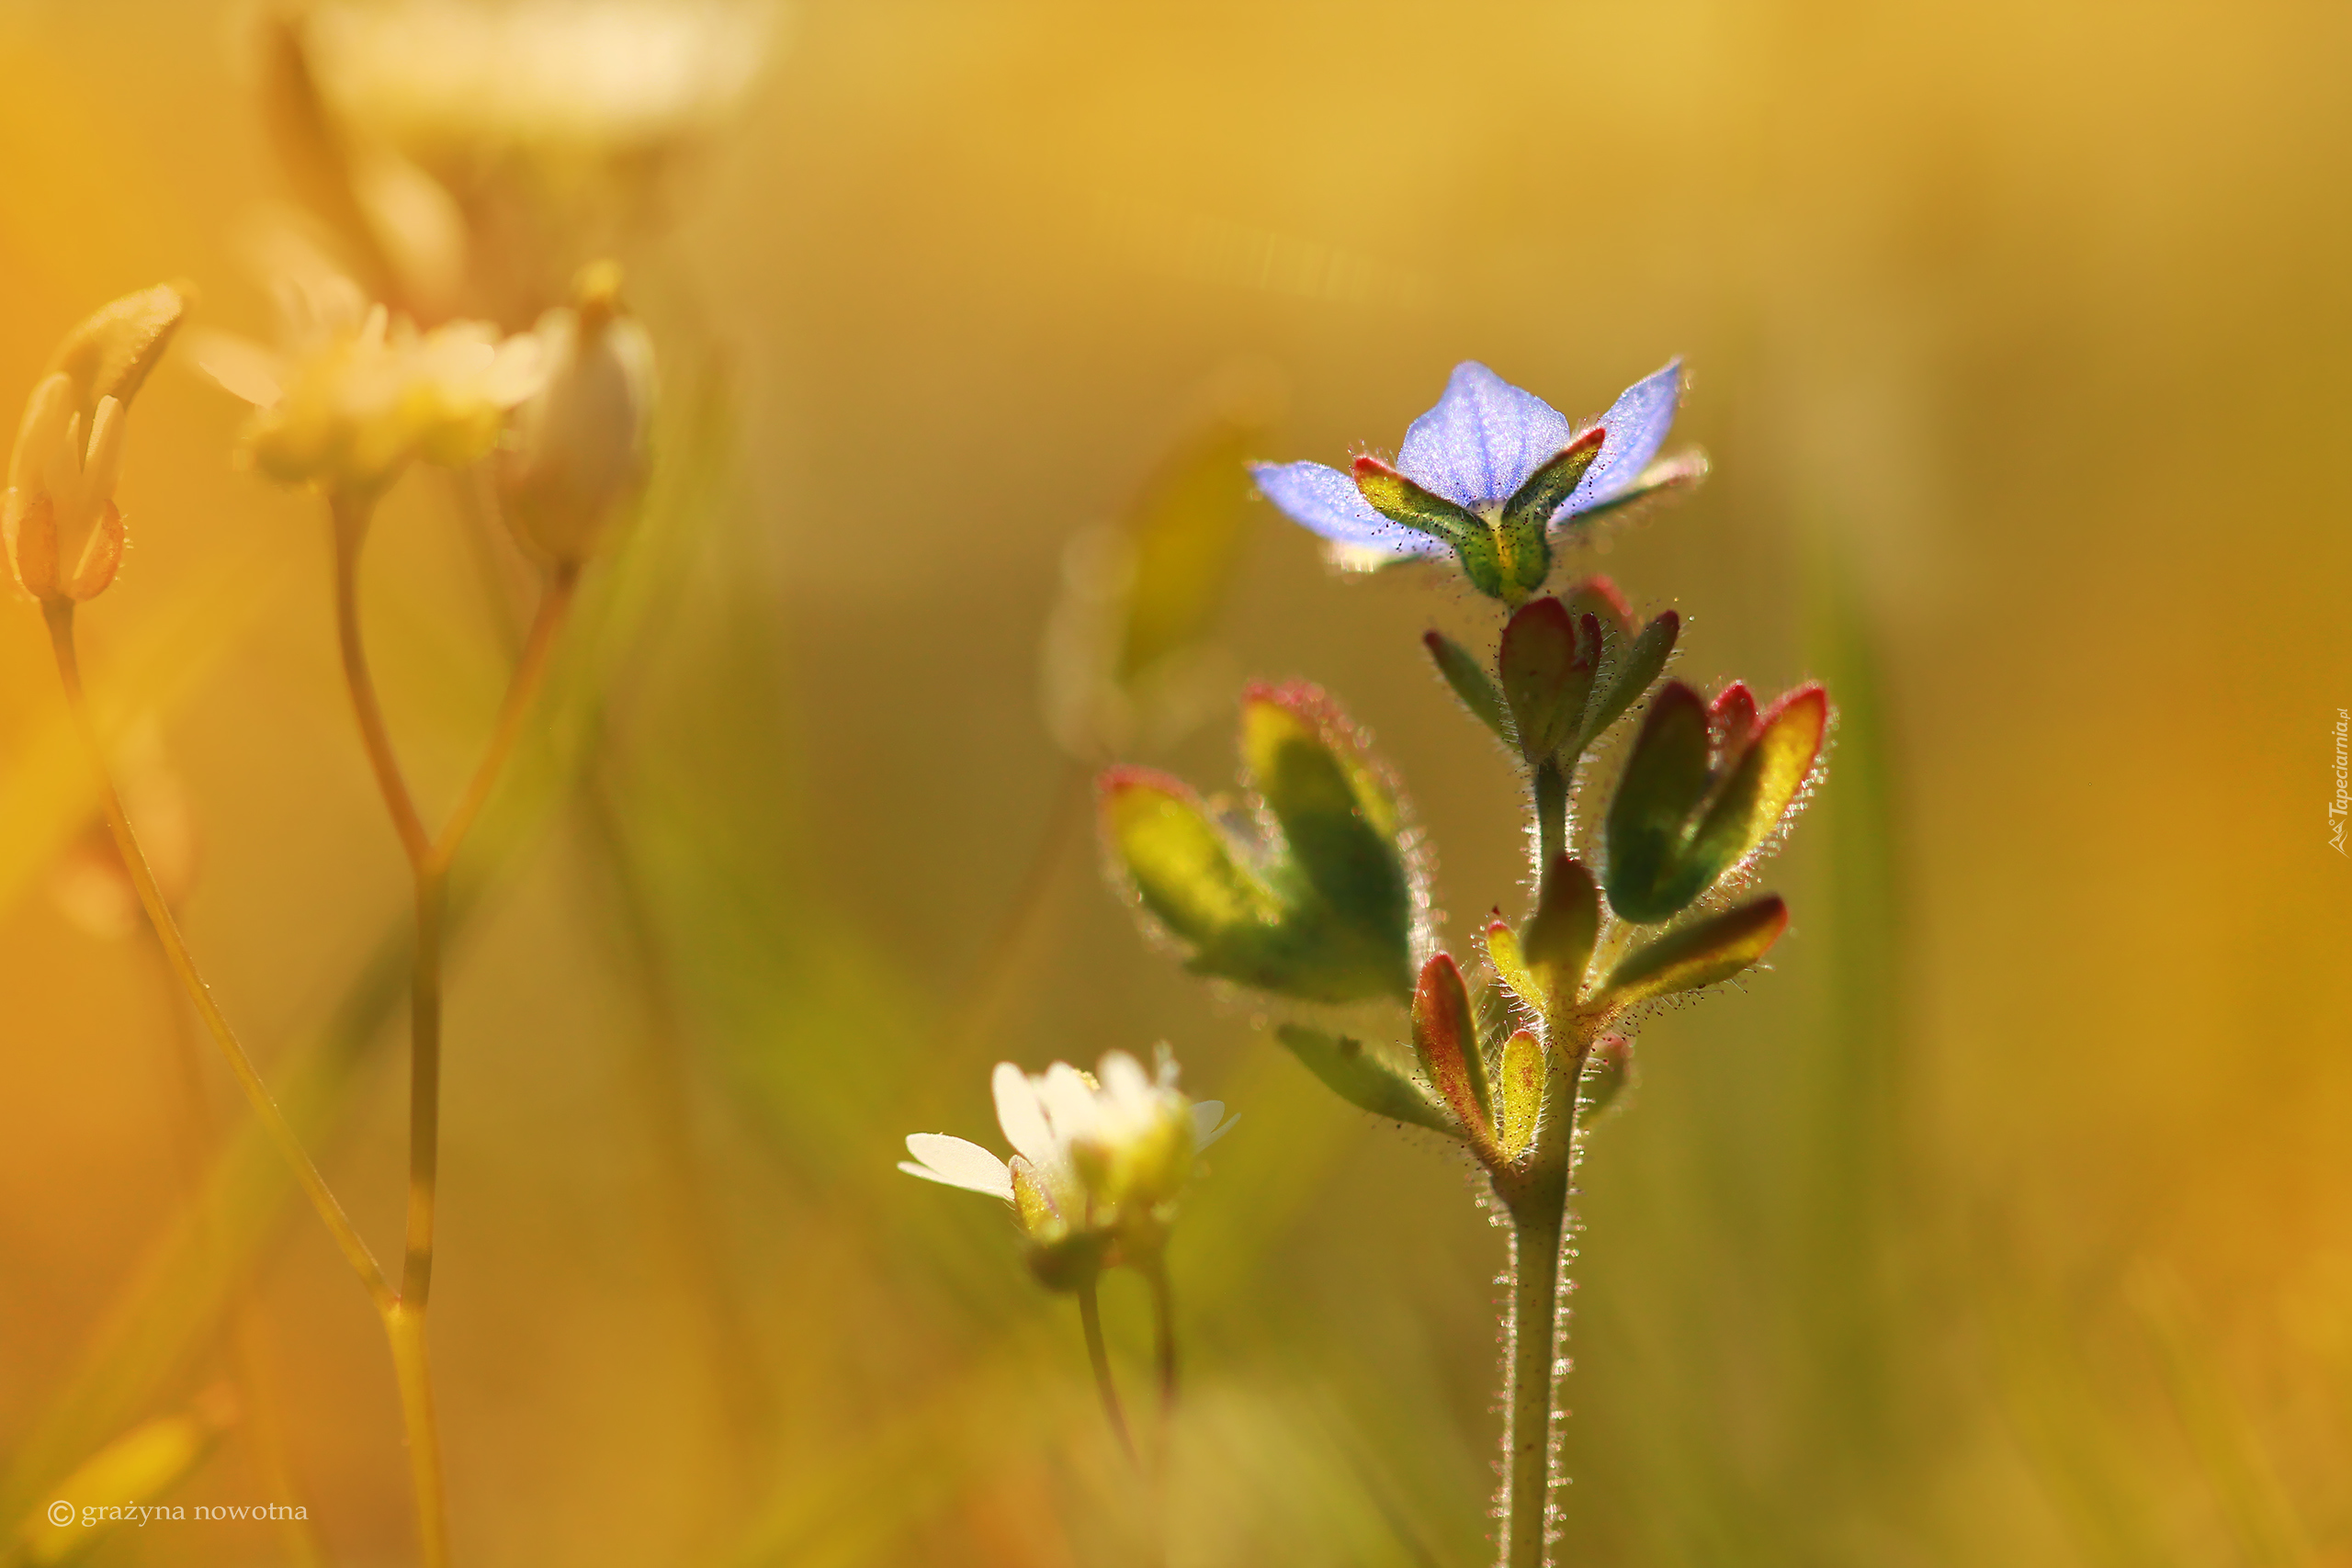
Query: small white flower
x=356, y=392
x=1096, y=1161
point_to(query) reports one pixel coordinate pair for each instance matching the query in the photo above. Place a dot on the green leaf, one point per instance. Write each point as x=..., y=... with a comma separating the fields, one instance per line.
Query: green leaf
x=1341, y=821
x=1547, y=663
x=1557, y=942
x=1713, y=950
x=1181, y=863
x=1522, y=1095
x=1665, y=780
x=1361, y=1078
x=1510, y=964
x=1765, y=781
x=1608, y=1070
x=1638, y=661
x=1471, y=683
x=1445, y=1039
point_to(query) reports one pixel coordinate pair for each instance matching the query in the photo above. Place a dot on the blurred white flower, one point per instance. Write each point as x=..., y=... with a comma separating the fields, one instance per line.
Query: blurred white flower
x=355, y=393
x=596, y=77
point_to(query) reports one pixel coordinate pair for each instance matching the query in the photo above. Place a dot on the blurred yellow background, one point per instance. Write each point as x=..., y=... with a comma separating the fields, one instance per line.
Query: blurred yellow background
x=2008, y=1220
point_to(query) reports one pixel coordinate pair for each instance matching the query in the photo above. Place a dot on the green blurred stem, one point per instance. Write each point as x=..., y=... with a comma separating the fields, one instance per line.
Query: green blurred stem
x=60, y=616
x=1537, y=1199
x=1089, y=1318
x=430, y=858
x=1163, y=1324
x=241, y=1339
x=1550, y=811
x=413, y=1370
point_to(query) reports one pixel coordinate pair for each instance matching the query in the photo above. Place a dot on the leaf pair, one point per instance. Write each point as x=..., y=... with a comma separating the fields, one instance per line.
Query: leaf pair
x=1545, y=963
x=1322, y=911
x=1567, y=670
x=1703, y=789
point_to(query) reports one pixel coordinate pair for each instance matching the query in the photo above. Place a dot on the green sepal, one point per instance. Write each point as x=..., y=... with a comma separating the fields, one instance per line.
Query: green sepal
x=1445, y=1042
x=1527, y=516
x=1713, y=950
x=1361, y=1078
x=1525, y=530
x=1556, y=945
x=1520, y=1104
x=1608, y=1072
x=1682, y=471
x=1548, y=663
x=1665, y=781
x=1471, y=683
x=1071, y=1263
x=1401, y=501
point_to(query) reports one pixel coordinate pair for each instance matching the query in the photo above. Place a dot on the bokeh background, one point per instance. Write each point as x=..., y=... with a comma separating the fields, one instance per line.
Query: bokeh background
x=2007, y=1219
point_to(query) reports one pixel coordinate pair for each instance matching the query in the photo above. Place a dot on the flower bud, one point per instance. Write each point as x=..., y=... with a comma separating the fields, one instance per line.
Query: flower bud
x=577, y=449
x=63, y=530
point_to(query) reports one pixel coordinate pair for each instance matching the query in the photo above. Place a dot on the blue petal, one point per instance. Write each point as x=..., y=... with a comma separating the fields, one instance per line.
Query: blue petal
x=1637, y=422
x=1477, y=446
x=1326, y=501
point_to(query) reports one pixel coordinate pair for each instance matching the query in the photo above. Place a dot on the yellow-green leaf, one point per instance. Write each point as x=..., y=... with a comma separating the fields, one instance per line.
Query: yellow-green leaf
x=1712, y=951
x=1523, y=1092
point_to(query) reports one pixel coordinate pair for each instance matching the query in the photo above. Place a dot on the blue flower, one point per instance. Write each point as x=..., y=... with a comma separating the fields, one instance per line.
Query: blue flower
x=1489, y=474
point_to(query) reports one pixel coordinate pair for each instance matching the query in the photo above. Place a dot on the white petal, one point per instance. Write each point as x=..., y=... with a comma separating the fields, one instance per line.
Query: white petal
x=1210, y=1122
x=958, y=1164
x=1069, y=1101
x=1122, y=1080
x=243, y=368
x=1018, y=1112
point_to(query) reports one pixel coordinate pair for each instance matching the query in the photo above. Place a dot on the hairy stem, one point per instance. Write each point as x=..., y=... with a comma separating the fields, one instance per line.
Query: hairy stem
x=1089, y=1318
x=60, y=616
x=1538, y=1204
x=1551, y=812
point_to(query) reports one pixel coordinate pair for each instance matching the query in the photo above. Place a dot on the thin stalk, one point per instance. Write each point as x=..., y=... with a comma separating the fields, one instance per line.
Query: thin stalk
x=1089, y=1318
x=1551, y=812
x=1163, y=1330
x=429, y=858
x=60, y=616
x=412, y=1371
x=241, y=1337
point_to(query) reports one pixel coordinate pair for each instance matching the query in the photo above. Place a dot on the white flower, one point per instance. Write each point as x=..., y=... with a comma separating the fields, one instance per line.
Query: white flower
x=356, y=392
x=444, y=80
x=1095, y=1161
